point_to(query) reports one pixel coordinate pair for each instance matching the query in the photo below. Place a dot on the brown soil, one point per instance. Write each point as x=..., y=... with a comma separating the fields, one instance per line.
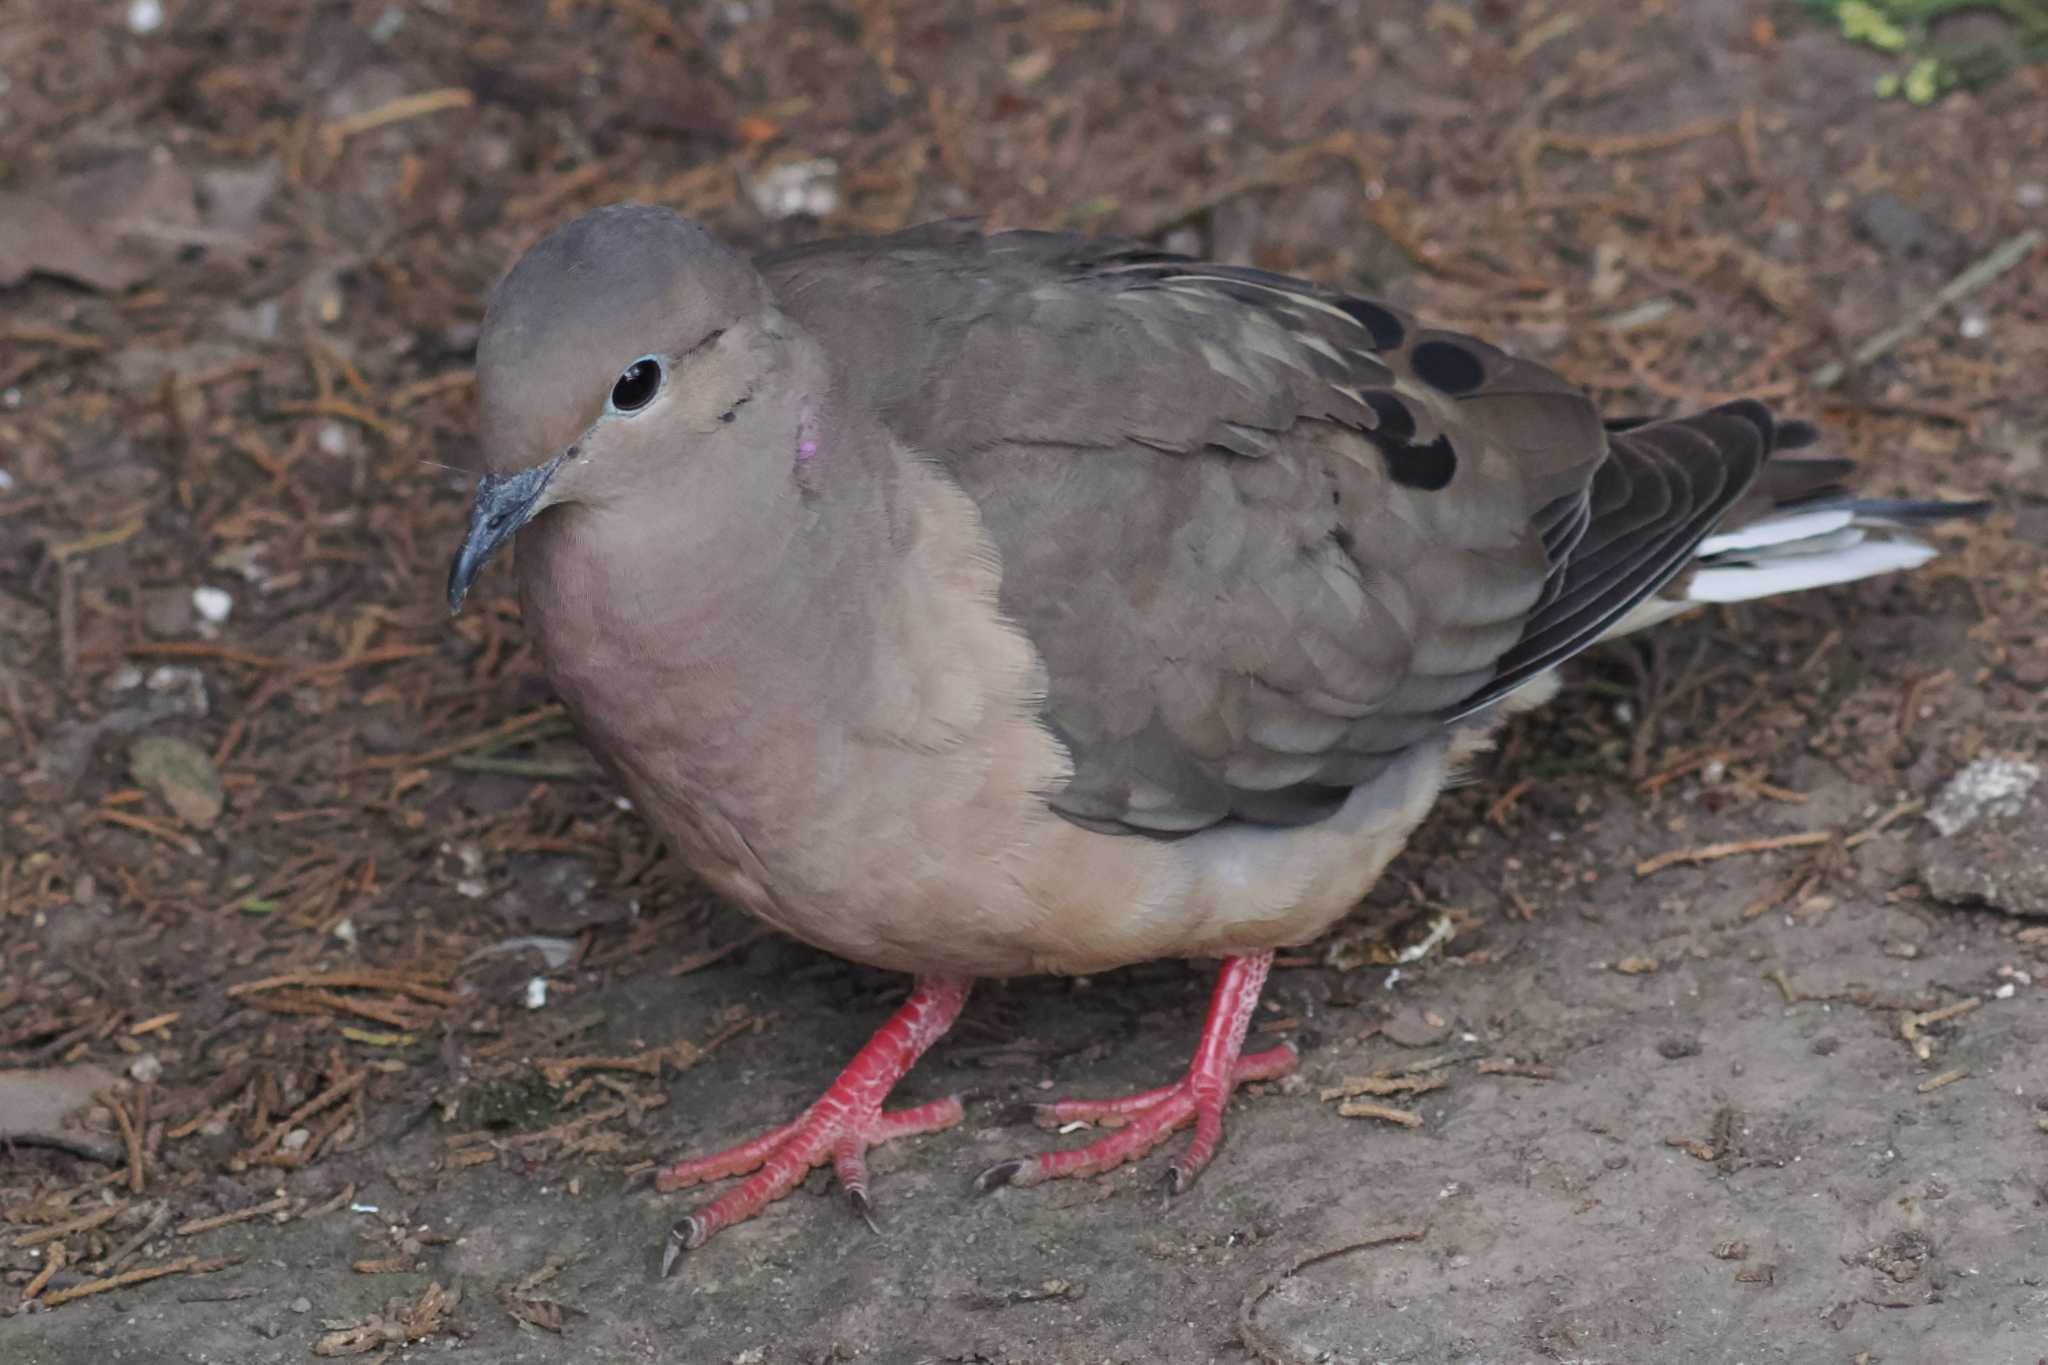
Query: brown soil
x=1695, y=1115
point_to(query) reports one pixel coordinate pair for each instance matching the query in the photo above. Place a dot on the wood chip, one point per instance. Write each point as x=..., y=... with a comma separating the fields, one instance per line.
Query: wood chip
x=96, y=1219
x=1934, y=1083
x=1380, y=1085
x=1367, y=1109
x=1508, y=1066
x=400, y=1322
x=1712, y=852
x=368, y=980
x=1910, y=1026
x=190, y=1265
x=53, y=1261
x=221, y=1220
x=393, y=111
x=681, y=1054
x=129, y=1140
x=389, y=1265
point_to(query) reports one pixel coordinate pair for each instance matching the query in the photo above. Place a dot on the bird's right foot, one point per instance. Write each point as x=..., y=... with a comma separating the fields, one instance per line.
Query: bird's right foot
x=839, y=1127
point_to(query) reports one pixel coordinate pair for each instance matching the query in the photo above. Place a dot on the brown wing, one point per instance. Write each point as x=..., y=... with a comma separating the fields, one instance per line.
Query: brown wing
x=1264, y=535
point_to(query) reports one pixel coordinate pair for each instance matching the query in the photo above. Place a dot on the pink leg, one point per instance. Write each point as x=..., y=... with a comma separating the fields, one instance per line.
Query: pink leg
x=838, y=1127
x=1145, y=1120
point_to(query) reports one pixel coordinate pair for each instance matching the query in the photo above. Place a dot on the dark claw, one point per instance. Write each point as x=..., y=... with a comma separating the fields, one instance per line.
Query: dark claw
x=998, y=1175
x=683, y=1237
x=859, y=1200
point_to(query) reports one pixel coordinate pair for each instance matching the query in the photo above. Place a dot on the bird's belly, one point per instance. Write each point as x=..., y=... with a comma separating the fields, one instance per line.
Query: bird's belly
x=1027, y=891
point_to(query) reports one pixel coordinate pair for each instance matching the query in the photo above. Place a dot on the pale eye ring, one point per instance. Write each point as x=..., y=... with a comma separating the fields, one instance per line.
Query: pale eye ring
x=636, y=385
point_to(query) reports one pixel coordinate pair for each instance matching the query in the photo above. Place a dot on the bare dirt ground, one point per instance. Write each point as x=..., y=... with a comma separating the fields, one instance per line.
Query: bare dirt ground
x=1786, y=1105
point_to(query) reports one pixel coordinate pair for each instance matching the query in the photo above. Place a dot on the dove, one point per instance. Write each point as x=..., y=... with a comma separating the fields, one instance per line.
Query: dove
x=976, y=604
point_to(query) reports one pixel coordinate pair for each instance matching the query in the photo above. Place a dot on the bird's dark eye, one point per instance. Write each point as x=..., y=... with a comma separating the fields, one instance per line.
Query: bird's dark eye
x=637, y=384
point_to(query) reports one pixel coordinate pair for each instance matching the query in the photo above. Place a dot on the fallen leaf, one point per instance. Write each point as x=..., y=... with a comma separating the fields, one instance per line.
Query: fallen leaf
x=105, y=228
x=182, y=774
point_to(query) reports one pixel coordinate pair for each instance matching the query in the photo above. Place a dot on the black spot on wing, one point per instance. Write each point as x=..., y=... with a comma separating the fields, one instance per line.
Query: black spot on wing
x=1396, y=422
x=1384, y=328
x=1427, y=467
x=1447, y=367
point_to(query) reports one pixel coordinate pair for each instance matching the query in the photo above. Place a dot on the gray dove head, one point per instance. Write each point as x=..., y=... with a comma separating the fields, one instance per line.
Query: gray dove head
x=629, y=356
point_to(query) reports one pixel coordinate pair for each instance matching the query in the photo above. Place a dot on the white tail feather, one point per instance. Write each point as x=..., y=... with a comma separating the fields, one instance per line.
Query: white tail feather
x=1767, y=575
x=1777, y=530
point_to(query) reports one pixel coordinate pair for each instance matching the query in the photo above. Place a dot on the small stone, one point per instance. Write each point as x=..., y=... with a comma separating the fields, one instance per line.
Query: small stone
x=1994, y=788
x=146, y=1069
x=214, y=605
x=536, y=992
x=1890, y=222
x=797, y=189
x=181, y=687
x=1411, y=1026
x=302, y=1304
x=296, y=1139
x=166, y=614
x=1731, y=1251
x=1677, y=1049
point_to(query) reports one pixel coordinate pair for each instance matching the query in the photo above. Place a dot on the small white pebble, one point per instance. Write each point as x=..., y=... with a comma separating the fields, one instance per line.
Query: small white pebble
x=2006, y=991
x=471, y=888
x=624, y=803
x=145, y=16
x=332, y=439
x=302, y=1304
x=2030, y=194
x=7, y=479
x=1974, y=326
x=146, y=1069
x=346, y=932
x=797, y=188
x=296, y=1139
x=536, y=992
x=126, y=678
x=214, y=605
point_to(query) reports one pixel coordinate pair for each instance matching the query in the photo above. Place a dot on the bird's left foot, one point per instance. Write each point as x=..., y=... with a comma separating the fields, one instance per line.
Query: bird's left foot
x=1142, y=1122
x=1145, y=1120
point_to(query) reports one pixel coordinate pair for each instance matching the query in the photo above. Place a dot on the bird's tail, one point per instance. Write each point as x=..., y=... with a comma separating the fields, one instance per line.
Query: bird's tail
x=1800, y=528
